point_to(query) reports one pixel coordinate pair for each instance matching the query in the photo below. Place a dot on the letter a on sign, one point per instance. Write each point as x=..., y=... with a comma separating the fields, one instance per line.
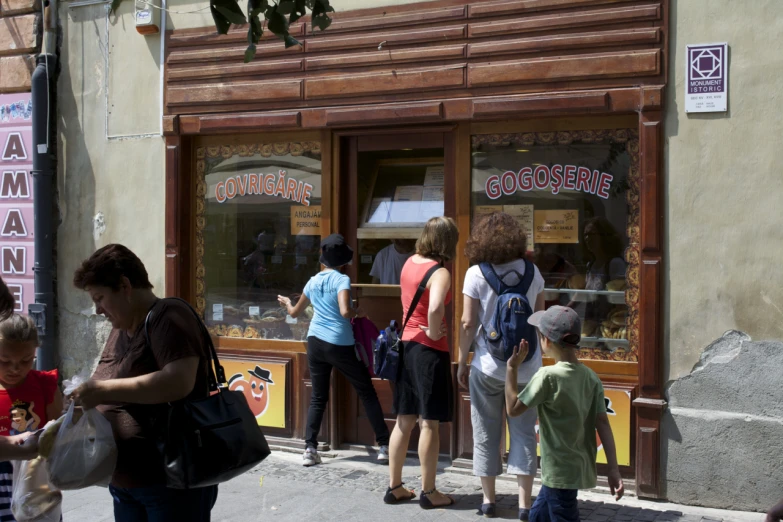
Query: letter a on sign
x=14, y=148
x=14, y=224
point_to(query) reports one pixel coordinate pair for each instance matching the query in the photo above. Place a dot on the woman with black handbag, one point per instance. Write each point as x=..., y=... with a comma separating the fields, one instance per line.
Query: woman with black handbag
x=424, y=390
x=143, y=368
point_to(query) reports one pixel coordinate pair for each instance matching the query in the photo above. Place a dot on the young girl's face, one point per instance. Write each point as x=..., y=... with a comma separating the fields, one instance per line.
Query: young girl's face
x=16, y=361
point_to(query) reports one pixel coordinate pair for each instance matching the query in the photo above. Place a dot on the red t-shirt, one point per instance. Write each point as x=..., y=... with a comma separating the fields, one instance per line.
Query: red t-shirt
x=411, y=276
x=23, y=408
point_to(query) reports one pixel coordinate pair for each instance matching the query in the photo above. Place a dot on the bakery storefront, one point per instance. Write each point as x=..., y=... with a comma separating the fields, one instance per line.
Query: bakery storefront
x=548, y=111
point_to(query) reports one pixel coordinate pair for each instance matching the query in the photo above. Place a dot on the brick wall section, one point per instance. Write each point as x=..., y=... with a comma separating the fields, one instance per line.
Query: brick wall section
x=20, y=41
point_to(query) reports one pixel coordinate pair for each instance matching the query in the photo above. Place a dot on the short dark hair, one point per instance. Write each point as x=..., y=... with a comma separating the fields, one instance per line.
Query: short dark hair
x=497, y=239
x=107, y=266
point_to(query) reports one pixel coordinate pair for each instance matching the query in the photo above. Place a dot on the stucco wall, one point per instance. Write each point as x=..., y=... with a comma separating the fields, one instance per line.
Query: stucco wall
x=722, y=432
x=723, y=184
x=111, y=170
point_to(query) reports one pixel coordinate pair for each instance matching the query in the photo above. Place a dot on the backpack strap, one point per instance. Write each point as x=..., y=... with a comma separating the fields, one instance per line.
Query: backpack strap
x=493, y=280
x=419, y=292
x=524, y=284
x=214, y=380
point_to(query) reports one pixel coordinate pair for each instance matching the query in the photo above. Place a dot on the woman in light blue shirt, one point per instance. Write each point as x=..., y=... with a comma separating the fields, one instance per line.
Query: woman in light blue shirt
x=330, y=343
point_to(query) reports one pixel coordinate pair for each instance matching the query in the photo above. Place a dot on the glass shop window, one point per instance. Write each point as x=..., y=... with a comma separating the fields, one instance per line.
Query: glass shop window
x=258, y=232
x=576, y=196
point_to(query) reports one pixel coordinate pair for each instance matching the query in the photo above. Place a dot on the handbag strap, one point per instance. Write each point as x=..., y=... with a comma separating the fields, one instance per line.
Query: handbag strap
x=419, y=292
x=216, y=376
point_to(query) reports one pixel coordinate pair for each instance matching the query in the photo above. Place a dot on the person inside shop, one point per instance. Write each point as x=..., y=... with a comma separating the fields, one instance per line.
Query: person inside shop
x=497, y=239
x=330, y=344
x=605, y=251
x=255, y=262
x=424, y=390
x=605, y=267
x=388, y=263
x=555, y=269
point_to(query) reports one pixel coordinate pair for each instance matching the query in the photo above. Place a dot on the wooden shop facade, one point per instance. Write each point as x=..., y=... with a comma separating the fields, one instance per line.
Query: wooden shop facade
x=550, y=110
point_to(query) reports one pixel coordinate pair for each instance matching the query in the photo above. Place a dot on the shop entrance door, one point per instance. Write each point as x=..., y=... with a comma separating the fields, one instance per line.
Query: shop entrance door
x=389, y=184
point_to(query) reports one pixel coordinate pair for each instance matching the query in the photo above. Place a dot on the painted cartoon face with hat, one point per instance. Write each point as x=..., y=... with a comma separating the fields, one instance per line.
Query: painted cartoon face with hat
x=255, y=388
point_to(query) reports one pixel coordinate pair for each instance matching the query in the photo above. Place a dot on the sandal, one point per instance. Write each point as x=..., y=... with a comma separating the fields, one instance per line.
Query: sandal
x=426, y=503
x=390, y=498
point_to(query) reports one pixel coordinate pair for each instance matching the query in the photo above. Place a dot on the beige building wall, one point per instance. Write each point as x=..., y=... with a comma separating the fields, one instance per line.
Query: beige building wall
x=723, y=184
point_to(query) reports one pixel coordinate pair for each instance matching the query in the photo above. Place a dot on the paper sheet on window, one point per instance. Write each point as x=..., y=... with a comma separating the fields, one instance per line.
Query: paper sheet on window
x=380, y=209
x=434, y=176
x=407, y=204
x=524, y=215
x=431, y=203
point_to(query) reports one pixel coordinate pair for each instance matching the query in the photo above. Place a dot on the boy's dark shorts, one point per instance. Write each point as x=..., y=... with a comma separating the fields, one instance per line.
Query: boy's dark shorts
x=555, y=505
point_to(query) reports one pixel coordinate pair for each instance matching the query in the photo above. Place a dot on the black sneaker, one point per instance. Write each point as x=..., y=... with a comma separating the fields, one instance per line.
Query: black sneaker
x=487, y=510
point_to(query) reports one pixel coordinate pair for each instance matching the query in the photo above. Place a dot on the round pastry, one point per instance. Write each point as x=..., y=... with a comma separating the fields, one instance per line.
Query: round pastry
x=618, y=317
x=236, y=331
x=577, y=282
x=588, y=328
x=616, y=285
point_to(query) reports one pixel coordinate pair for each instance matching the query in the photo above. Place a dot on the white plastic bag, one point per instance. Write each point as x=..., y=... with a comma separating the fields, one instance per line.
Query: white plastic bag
x=33, y=497
x=83, y=452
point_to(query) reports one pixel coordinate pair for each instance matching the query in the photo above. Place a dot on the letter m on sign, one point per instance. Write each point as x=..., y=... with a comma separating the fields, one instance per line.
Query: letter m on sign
x=14, y=260
x=14, y=185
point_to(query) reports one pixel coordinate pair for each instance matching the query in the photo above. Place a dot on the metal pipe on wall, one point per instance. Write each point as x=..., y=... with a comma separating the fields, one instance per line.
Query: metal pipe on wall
x=44, y=96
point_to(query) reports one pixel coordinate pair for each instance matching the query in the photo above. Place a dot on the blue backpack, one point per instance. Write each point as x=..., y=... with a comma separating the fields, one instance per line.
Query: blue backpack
x=509, y=322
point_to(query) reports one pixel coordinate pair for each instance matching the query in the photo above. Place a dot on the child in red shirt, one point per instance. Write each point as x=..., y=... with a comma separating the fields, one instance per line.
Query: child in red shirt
x=28, y=398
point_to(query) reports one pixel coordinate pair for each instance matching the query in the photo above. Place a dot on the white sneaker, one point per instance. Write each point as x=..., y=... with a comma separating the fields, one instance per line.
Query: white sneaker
x=311, y=457
x=383, y=454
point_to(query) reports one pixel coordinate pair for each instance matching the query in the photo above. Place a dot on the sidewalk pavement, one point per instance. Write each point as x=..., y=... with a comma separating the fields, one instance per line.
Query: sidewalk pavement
x=351, y=485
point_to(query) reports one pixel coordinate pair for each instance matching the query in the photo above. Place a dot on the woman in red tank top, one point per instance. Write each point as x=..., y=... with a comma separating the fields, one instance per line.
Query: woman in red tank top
x=424, y=390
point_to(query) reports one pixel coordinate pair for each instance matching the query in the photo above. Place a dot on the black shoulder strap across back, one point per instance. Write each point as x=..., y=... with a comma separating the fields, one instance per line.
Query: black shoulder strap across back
x=419, y=293
x=214, y=382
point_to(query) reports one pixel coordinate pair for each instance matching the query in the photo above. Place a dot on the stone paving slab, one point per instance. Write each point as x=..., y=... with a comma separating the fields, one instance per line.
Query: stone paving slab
x=351, y=488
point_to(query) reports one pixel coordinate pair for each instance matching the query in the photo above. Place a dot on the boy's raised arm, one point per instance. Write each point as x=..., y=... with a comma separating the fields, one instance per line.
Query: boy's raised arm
x=607, y=439
x=515, y=407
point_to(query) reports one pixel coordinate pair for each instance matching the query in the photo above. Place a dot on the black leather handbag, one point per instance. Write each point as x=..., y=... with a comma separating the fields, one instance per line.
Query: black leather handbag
x=210, y=440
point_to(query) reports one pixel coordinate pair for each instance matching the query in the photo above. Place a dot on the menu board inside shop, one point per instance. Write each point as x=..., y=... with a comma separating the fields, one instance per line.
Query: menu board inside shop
x=556, y=226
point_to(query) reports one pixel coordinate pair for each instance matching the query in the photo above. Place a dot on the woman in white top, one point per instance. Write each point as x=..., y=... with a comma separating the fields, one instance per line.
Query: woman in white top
x=499, y=240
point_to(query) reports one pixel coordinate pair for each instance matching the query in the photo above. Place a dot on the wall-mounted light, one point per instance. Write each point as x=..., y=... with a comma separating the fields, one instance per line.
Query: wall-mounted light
x=522, y=150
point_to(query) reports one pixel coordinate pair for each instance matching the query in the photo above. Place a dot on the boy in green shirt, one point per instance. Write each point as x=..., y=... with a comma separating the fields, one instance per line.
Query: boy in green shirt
x=570, y=402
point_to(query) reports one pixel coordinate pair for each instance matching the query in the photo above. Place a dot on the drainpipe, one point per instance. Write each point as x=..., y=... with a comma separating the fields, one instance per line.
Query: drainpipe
x=44, y=95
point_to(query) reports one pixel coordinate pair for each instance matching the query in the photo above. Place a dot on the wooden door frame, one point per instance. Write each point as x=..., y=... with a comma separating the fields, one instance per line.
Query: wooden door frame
x=649, y=403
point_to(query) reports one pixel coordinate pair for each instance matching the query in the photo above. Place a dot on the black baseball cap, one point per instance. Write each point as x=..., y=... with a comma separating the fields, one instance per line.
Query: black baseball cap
x=559, y=324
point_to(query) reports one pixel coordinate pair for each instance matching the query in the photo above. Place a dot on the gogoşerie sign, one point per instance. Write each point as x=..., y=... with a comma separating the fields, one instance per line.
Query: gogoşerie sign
x=277, y=185
x=556, y=178
x=17, y=248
